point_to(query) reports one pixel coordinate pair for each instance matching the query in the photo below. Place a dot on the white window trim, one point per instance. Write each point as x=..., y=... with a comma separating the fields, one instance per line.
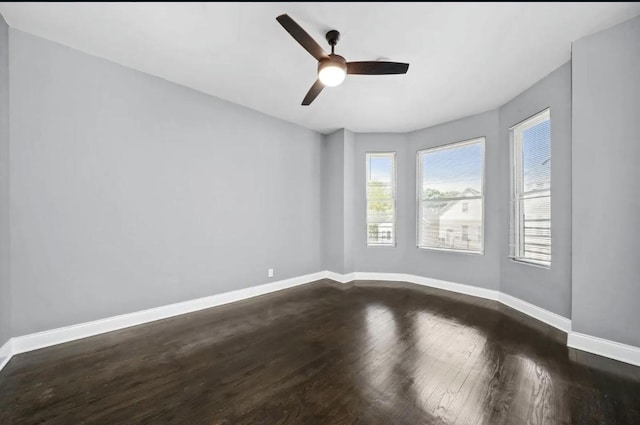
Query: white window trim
x=481, y=139
x=366, y=208
x=515, y=154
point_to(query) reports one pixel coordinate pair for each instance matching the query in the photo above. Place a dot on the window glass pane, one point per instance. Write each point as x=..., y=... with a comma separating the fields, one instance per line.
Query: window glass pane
x=536, y=156
x=379, y=191
x=380, y=198
x=531, y=184
x=536, y=238
x=450, y=197
x=453, y=172
x=380, y=168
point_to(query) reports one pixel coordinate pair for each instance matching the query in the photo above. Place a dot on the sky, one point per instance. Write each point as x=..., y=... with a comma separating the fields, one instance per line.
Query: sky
x=454, y=169
x=536, y=143
x=380, y=169
x=459, y=168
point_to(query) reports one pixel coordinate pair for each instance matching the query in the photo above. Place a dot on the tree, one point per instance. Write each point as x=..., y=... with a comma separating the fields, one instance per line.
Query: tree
x=435, y=195
x=380, y=199
x=379, y=209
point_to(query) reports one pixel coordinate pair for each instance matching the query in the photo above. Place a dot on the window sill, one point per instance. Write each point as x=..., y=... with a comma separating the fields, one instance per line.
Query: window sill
x=530, y=263
x=455, y=251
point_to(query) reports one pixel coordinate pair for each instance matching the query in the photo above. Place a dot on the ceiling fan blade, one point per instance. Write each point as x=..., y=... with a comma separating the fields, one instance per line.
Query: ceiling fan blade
x=313, y=92
x=377, y=68
x=302, y=37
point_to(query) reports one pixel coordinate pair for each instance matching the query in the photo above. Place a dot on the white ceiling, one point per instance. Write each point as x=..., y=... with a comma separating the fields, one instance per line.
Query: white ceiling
x=465, y=58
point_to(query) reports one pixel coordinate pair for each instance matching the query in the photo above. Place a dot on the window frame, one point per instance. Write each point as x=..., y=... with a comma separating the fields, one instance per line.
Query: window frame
x=394, y=183
x=466, y=142
x=516, y=178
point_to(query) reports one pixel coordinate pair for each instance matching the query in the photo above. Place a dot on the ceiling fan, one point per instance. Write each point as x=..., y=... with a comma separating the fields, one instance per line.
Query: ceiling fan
x=333, y=68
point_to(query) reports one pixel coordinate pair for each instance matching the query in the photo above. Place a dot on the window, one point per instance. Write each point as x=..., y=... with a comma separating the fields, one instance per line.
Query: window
x=465, y=232
x=531, y=190
x=381, y=199
x=450, y=194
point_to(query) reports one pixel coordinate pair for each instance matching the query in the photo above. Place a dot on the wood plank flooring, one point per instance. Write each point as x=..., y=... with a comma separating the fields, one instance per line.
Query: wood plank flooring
x=325, y=353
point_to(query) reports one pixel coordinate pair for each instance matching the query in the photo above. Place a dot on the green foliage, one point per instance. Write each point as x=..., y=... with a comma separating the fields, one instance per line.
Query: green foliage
x=436, y=194
x=379, y=194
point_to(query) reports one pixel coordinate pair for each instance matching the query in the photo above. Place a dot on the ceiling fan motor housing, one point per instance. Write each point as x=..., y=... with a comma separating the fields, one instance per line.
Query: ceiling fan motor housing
x=332, y=70
x=333, y=60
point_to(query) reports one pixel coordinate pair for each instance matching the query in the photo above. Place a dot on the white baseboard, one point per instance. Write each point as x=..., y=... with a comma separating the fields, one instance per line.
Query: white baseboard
x=546, y=316
x=460, y=288
x=51, y=337
x=17, y=345
x=389, y=277
x=531, y=310
x=6, y=353
x=604, y=347
x=338, y=277
x=427, y=281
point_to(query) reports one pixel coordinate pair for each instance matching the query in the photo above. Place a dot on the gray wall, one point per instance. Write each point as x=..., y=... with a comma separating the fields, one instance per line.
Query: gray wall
x=130, y=192
x=338, y=150
x=5, y=290
x=477, y=270
x=606, y=174
x=547, y=288
x=471, y=269
x=332, y=202
x=348, y=183
x=380, y=258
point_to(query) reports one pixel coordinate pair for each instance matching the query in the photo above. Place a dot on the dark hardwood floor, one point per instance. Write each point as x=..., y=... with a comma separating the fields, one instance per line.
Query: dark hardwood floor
x=325, y=353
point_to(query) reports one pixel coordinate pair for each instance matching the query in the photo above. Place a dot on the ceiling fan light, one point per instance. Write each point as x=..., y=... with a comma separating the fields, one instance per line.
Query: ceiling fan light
x=332, y=72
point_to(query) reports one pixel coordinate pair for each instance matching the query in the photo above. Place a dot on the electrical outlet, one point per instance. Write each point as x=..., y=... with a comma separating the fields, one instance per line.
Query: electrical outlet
x=270, y=273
